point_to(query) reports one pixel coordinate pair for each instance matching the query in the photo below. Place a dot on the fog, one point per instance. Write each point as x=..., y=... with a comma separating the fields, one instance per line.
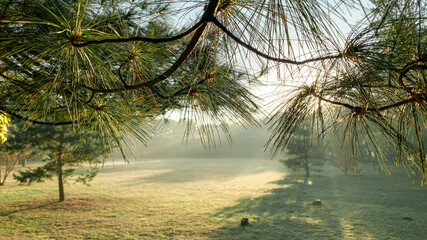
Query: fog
x=178, y=160
x=169, y=142
x=169, y=149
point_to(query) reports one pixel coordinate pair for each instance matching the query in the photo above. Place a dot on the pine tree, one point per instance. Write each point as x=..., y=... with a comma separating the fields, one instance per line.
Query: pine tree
x=304, y=153
x=63, y=150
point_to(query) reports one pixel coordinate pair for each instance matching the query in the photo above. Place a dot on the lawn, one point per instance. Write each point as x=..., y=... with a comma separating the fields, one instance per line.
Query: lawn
x=206, y=199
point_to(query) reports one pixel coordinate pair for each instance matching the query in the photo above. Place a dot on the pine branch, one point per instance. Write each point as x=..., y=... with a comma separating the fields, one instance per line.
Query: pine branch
x=209, y=13
x=417, y=98
x=26, y=119
x=139, y=39
x=181, y=91
x=266, y=56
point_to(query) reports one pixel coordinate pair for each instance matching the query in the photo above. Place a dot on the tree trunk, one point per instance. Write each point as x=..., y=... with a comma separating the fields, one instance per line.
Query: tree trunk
x=10, y=164
x=307, y=166
x=1, y=182
x=60, y=179
x=307, y=170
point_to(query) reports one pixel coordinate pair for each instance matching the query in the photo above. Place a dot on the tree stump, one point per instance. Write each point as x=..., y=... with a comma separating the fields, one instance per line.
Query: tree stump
x=317, y=202
x=244, y=222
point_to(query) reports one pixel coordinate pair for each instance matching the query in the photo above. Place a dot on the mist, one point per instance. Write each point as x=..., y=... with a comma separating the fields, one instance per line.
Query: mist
x=169, y=142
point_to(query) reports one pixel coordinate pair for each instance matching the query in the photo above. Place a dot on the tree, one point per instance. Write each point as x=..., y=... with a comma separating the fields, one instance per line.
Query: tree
x=7, y=162
x=63, y=151
x=16, y=149
x=113, y=64
x=304, y=154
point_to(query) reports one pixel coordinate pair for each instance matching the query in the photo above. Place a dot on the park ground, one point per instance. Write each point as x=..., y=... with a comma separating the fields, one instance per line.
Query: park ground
x=207, y=198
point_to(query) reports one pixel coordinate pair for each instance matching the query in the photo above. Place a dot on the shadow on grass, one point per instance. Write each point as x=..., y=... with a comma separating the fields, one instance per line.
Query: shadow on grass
x=371, y=207
x=22, y=208
x=285, y=212
x=50, y=205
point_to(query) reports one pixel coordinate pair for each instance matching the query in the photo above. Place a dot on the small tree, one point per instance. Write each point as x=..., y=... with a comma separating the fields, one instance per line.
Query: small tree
x=63, y=151
x=15, y=150
x=7, y=163
x=303, y=153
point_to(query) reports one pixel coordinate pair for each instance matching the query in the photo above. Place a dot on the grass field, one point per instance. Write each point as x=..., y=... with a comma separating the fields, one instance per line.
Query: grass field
x=206, y=199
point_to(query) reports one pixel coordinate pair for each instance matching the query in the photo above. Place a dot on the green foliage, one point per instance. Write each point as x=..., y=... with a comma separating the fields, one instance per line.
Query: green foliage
x=34, y=175
x=62, y=150
x=87, y=177
x=304, y=153
x=13, y=151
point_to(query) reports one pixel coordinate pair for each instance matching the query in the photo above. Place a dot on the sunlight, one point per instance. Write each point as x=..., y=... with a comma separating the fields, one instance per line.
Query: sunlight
x=309, y=220
x=349, y=232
